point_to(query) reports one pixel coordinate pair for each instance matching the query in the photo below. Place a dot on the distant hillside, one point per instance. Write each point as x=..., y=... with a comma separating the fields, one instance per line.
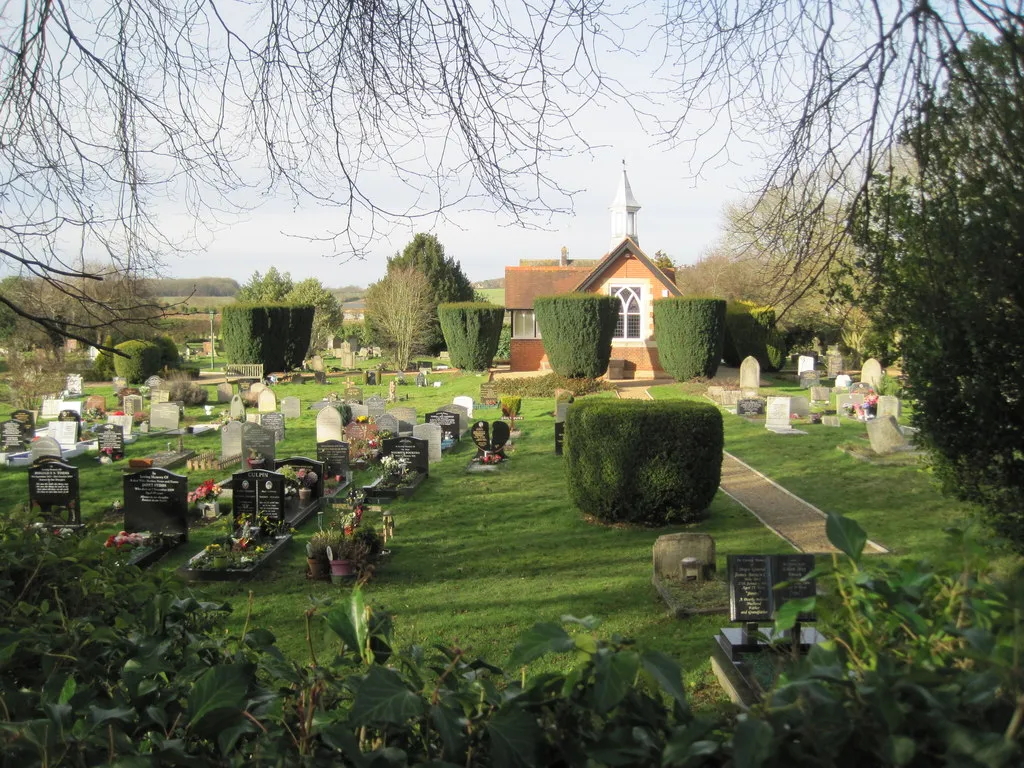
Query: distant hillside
x=494, y=282
x=194, y=286
x=348, y=292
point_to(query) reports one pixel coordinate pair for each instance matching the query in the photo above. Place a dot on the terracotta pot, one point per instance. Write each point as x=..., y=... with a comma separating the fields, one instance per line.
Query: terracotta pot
x=317, y=568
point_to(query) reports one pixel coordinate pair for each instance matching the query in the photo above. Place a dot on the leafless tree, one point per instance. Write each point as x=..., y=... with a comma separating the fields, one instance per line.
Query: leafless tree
x=399, y=309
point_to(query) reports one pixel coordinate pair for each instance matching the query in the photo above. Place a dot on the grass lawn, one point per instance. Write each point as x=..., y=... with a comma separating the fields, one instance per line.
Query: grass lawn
x=478, y=559
x=493, y=295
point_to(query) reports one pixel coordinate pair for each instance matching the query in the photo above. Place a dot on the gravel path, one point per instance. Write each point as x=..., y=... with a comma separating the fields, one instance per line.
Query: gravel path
x=633, y=393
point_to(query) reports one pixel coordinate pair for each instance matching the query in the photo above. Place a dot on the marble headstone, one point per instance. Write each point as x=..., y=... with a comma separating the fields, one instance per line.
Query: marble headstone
x=466, y=402
x=750, y=374
x=267, y=402
x=432, y=434
x=328, y=425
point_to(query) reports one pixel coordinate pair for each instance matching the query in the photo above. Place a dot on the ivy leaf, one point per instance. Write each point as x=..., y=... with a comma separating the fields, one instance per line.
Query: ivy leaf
x=788, y=614
x=70, y=686
x=846, y=535
x=613, y=676
x=901, y=749
x=668, y=674
x=348, y=621
x=453, y=732
x=540, y=640
x=751, y=743
x=220, y=687
x=383, y=699
x=515, y=736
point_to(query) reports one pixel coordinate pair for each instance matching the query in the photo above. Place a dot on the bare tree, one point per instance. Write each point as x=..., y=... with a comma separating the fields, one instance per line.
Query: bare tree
x=400, y=311
x=108, y=107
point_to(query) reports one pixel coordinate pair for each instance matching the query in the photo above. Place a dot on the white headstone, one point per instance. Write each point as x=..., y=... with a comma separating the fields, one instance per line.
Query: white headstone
x=256, y=388
x=73, y=384
x=843, y=380
x=65, y=433
x=317, y=363
x=750, y=374
x=432, y=434
x=126, y=422
x=51, y=408
x=267, y=401
x=237, y=410
x=231, y=440
x=871, y=373
x=777, y=415
x=328, y=425
x=804, y=363
x=466, y=402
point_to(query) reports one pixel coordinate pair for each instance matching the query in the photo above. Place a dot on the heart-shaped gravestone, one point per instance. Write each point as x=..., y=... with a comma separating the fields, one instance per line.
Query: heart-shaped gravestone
x=499, y=436
x=481, y=434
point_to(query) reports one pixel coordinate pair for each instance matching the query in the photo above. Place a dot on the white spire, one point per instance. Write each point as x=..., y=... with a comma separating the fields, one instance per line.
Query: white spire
x=623, y=210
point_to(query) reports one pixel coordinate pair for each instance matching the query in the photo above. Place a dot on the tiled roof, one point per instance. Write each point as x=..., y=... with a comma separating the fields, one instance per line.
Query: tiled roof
x=525, y=283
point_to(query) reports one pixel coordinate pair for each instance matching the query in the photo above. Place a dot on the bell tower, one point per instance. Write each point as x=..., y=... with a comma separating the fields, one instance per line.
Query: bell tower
x=623, y=212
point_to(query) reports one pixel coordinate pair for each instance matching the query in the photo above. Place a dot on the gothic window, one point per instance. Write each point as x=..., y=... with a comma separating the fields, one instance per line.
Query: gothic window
x=628, y=324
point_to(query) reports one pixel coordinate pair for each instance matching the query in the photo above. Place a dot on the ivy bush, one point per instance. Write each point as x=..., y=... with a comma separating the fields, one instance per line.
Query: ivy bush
x=471, y=331
x=139, y=360
x=577, y=329
x=652, y=463
x=690, y=334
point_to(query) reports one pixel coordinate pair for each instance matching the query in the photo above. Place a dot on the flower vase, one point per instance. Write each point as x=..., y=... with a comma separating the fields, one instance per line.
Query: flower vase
x=305, y=494
x=209, y=510
x=220, y=562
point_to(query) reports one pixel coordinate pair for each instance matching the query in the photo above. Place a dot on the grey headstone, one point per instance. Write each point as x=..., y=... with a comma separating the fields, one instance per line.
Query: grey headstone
x=432, y=434
x=132, y=404
x=561, y=411
x=730, y=396
x=237, y=410
x=291, y=407
x=45, y=447
x=464, y=421
x=275, y=423
x=888, y=405
x=800, y=406
x=267, y=401
x=820, y=394
x=164, y=416
x=231, y=440
x=154, y=382
x=809, y=379
x=466, y=402
x=885, y=436
x=830, y=421
x=126, y=422
x=834, y=364
x=670, y=549
x=224, y=393
x=871, y=373
x=317, y=363
x=387, y=422
x=328, y=425
x=375, y=405
x=750, y=374
x=406, y=418
x=256, y=438
x=359, y=410
x=843, y=400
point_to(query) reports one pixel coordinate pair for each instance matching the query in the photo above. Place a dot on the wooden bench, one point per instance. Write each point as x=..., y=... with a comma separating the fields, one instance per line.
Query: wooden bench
x=246, y=370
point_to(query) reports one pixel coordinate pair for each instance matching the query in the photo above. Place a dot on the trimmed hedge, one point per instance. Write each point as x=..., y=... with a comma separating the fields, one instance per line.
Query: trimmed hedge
x=652, y=463
x=276, y=335
x=577, y=330
x=471, y=331
x=169, y=357
x=750, y=331
x=142, y=360
x=690, y=332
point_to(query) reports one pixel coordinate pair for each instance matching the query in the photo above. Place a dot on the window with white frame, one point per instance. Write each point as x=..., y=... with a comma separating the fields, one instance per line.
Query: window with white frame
x=524, y=324
x=628, y=324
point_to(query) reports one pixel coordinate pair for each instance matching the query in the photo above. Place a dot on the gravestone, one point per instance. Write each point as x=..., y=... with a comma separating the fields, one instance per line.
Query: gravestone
x=224, y=393
x=834, y=363
x=672, y=548
x=820, y=394
x=153, y=382
x=317, y=363
x=559, y=437
x=886, y=437
x=750, y=406
x=800, y=407
x=15, y=436
x=415, y=452
x=74, y=417
x=432, y=434
x=328, y=425
x=715, y=393
x=255, y=388
x=466, y=402
x=861, y=388
x=255, y=438
x=125, y=422
x=231, y=440
x=421, y=379
x=830, y=421
x=254, y=418
x=353, y=395
x=387, y=423
x=291, y=407
x=45, y=448
x=267, y=402
x=464, y=421
x=348, y=359
x=750, y=374
x=406, y=418
x=53, y=492
x=871, y=373
x=490, y=438
x=156, y=500
x=371, y=378
x=804, y=363
x=65, y=433
x=777, y=414
x=51, y=408
x=96, y=403
x=561, y=411
x=843, y=381
x=275, y=423
x=810, y=379
x=335, y=456
x=754, y=594
x=258, y=495
x=159, y=396
x=359, y=410
x=888, y=405
x=730, y=397
x=110, y=441
x=319, y=377
x=237, y=409
x=489, y=393
x=244, y=385
x=375, y=406
x=27, y=418
x=448, y=422
x=164, y=416
x=132, y=404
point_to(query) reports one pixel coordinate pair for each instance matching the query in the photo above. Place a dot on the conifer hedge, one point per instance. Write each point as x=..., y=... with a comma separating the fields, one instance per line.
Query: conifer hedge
x=750, y=331
x=652, y=463
x=140, y=361
x=471, y=332
x=690, y=333
x=276, y=335
x=577, y=330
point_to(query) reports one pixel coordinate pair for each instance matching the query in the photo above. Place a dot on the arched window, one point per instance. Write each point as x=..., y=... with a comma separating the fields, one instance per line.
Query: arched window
x=628, y=325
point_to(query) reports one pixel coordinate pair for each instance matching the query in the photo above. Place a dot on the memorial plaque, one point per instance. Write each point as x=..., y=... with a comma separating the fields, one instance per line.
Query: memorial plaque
x=15, y=436
x=110, y=441
x=53, y=492
x=481, y=434
x=750, y=406
x=335, y=456
x=415, y=452
x=375, y=405
x=750, y=588
x=489, y=393
x=448, y=422
x=257, y=495
x=256, y=439
x=156, y=500
x=291, y=407
x=159, y=396
x=275, y=423
x=354, y=395
x=559, y=437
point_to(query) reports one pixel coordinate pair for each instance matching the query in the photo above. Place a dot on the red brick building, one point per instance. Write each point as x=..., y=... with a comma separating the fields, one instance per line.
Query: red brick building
x=625, y=272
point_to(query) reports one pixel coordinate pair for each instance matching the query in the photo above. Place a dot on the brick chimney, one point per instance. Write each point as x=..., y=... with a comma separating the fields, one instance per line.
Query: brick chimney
x=564, y=260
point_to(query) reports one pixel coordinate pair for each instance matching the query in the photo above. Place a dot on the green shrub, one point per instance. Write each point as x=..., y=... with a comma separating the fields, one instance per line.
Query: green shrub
x=141, y=360
x=300, y=330
x=577, y=329
x=690, y=333
x=471, y=331
x=276, y=335
x=545, y=386
x=504, y=351
x=750, y=332
x=168, y=352
x=183, y=388
x=651, y=463
x=510, y=405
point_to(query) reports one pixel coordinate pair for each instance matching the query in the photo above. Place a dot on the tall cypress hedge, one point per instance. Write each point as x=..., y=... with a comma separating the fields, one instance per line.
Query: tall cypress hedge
x=141, y=360
x=577, y=330
x=750, y=331
x=690, y=333
x=471, y=332
x=643, y=462
x=276, y=335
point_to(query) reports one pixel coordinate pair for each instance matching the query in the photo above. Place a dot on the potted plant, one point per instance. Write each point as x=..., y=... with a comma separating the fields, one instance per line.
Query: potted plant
x=307, y=480
x=205, y=497
x=338, y=556
x=316, y=554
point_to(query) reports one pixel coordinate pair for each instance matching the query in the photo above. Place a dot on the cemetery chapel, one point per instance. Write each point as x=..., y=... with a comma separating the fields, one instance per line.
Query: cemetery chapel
x=625, y=272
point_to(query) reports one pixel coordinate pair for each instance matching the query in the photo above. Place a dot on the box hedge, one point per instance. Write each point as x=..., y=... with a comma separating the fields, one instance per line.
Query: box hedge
x=690, y=334
x=651, y=463
x=471, y=331
x=577, y=329
x=276, y=335
x=139, y=360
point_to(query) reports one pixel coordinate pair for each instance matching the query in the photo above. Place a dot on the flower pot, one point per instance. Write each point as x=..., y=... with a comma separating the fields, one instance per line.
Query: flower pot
x=317, y=568
x=220, y=562
x=341, y=568
x=209, y=510
x=305, y=494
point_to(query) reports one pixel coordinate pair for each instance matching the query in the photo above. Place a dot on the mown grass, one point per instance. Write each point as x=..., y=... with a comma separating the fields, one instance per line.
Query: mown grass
x=478, y=559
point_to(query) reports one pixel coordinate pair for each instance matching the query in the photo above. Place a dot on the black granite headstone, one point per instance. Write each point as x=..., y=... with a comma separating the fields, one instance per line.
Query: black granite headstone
x=111, y=441
x=559, y=437
x=156, y=500
x=753, y=579
x=371, y=378
x=14, y=438
x=449, y=423
x=319, y=377
x=334, y=455
x=257, y=495
x=299, y=462
x=53, y=492
x=750, y=406
x=27, y=419
x=481, y=434
x=500, y=434
x=414, y=451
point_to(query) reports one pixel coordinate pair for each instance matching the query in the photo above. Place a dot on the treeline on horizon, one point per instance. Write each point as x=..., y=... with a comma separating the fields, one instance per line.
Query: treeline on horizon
x=224, y=287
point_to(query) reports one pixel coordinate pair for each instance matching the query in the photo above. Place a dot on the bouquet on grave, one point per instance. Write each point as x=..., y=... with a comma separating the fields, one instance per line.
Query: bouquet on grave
x=122, y=541
x=208, y=491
